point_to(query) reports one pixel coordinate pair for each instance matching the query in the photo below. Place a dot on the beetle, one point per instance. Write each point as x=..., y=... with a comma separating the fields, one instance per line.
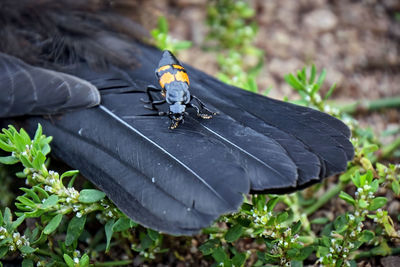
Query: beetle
x=174, y=82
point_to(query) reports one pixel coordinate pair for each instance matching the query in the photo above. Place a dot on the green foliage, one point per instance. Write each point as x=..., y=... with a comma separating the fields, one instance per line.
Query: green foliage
x=287, y=234
x=232, y=32
x=61, y=212
x=164, y=41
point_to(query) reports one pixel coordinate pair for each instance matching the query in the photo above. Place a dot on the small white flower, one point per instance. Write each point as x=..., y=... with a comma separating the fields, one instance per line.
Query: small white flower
x=78, y=214
x=76, y=260
x=48, y=188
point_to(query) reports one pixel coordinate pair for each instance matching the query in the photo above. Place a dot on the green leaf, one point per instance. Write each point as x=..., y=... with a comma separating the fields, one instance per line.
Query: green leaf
x=84, y=262
x=154, y=235
x=219, y=255
x=366, y=236
x=377, y=203
x=346, y=197
x=182, y=45
x=296, y=226
x=17, y=222
x=330, y=91
x=50, y=202
x=27, y=250
x=163, y=24
x=41, y=191
x=1, y=218
x=26, y=162
x=53, y=224
x=272, y=203
x=27, y=263
x=282, y=217
x=7, y=216
x=239, y=259
x=69, y=261
x=34, y=214
x=356, y=179
x=9, y=160
x=39, y=160
x=396, y=187
x=362, y=203
x=91, y=195
x=209, y=246
x=293, y=82
x=312, y=74
x=296, y=264
x=19, y=142
x=69, y=173
x=26, y=201
x=31, y=194
x=369, y=148
x=260, y=202
x=6, y=147
x=145, y=241
x=340, y=223
x=321, y=220
x=109, y=232
x=75, y=228
x=121, y=225
x=234, y=233
x=321, y=79
x=38, y=133
x=3, y=251
x=25, y=137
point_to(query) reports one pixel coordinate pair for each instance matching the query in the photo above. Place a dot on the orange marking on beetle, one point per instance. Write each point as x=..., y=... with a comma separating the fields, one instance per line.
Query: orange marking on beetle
x=163, y=68
x=177, y=66
x=182, y=77
x=166, y=78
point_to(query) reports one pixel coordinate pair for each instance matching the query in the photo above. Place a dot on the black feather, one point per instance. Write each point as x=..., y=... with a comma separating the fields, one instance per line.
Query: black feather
x=177, y=181
x=25, y=89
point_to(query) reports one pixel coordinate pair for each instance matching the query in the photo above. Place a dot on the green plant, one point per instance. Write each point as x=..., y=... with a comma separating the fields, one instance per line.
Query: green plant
x=232, y=30
x=287, y=233
x=57, y=208
x=164, y=41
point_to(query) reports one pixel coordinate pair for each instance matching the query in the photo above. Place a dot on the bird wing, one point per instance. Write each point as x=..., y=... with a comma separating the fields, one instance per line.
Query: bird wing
x=179, y=181
x=25, y=89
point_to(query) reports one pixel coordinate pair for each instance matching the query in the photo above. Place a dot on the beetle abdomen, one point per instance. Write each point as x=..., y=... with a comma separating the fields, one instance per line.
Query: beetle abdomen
x=169, y=73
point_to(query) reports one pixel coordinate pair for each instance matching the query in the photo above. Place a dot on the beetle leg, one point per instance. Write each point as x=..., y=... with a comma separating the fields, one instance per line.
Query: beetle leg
x=199, y=113
x=152, y=88
x=202, y=105
x=173, y=124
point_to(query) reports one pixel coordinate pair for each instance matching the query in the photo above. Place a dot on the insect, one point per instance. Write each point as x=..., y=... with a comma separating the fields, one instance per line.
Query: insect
x=174, y=83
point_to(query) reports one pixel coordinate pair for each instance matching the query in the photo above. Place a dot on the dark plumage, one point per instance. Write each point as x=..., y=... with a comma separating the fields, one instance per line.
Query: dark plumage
x=177, y=181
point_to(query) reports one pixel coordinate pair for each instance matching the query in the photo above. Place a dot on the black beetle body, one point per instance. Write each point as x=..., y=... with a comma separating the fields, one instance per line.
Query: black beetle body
x=174, y=82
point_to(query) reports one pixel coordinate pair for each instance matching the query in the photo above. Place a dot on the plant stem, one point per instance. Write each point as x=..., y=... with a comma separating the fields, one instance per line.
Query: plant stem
x=373, y=253
x=324, y=199
x=390, y=148
x=113, y=263
x=392, y=102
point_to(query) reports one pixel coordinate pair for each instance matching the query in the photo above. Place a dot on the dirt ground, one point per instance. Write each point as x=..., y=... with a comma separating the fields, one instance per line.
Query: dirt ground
x=357, y=42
